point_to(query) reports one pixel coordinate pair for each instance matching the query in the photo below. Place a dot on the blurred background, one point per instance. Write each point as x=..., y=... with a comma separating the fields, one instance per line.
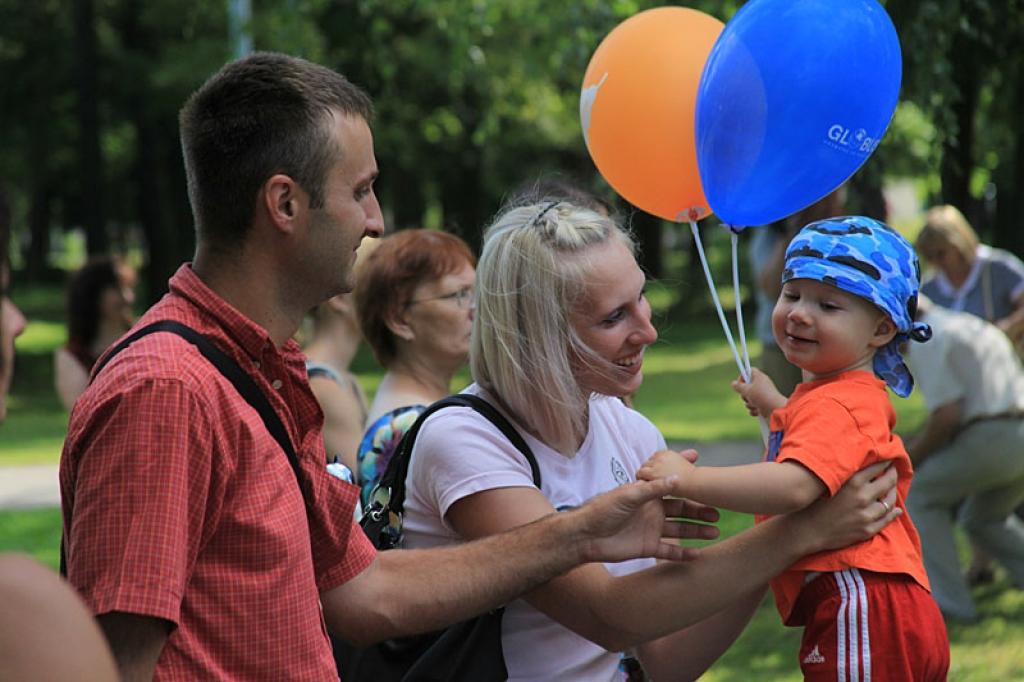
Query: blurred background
x=475, y=98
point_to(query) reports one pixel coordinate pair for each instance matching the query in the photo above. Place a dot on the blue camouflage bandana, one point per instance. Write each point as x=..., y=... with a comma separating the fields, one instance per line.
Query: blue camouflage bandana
x=868, y=259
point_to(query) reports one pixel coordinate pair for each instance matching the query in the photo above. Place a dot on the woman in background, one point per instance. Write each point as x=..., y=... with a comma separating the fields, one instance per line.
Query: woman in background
x=334, y=343
x=99, y=311
x=12, y=321
x=969, y=275
x=415, y=299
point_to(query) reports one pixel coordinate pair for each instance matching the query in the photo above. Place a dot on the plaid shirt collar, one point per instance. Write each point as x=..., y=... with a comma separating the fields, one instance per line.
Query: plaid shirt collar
x=250, y=337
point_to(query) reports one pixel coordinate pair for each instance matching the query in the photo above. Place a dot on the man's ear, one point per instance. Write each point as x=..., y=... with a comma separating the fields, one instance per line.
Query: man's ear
x=282, y=199
x=885, y=330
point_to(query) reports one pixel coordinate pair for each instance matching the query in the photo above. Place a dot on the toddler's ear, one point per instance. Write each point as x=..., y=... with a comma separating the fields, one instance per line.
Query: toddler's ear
x=885, y=330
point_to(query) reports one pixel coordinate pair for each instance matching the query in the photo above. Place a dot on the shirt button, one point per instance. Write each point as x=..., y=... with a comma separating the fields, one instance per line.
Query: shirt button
x=259, y=365
x=276, y=383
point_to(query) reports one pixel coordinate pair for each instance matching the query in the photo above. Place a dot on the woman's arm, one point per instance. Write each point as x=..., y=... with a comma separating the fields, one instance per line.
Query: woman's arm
x=1013, y=324
x=687, y=654
x=619, y=612
x=343, y=428
x=70, y=378
x=404, y=592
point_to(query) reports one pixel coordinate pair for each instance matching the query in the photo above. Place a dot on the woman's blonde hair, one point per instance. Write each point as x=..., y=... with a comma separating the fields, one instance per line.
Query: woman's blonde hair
x=531, y=274
x=946, y=226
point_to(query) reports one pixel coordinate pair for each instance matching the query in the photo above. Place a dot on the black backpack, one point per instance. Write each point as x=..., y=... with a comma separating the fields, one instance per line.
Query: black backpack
x=470, y=650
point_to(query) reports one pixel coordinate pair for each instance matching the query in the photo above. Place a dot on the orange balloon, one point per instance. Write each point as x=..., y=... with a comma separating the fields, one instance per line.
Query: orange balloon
x=637, y=109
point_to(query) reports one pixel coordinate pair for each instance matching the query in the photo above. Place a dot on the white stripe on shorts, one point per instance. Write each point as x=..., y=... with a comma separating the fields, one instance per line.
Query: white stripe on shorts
x=853, y=645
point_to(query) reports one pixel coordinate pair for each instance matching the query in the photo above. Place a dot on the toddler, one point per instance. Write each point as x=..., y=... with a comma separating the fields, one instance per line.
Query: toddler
x=847, y=304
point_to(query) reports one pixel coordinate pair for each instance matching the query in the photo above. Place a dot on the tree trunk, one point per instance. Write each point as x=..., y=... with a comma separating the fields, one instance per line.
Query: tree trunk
x=405, y=197
x=1009, y=228
x=39, y=211
x=90, y=160
x=647, y=229
x=148, y=196
x=958, y=149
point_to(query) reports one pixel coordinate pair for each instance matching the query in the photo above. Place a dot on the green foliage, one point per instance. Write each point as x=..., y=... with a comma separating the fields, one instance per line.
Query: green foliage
x=474, y=98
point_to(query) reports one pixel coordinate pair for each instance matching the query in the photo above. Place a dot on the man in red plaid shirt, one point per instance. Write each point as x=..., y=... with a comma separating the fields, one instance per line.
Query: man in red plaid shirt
x=185, y=530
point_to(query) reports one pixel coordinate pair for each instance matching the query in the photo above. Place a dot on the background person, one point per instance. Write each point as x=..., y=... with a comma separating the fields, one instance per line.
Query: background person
x=334, y=342
x=415, y=297
x=99, y=303
x=560, y=332
x=185, y=529
x=969, y=275
x=12, y=321
x=975, y=278
x=969, y=455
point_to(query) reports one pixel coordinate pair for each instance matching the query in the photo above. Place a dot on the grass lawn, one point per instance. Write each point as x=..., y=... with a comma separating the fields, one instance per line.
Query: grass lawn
x=991, y=650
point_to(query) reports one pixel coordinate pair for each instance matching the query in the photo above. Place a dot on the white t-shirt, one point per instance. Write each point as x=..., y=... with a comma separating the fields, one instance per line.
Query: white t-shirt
x=459, y=453
x=966, y=359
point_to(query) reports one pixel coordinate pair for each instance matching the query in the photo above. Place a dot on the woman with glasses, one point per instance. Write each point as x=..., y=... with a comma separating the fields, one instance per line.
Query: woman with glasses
x=415, y=301
x=968, y=275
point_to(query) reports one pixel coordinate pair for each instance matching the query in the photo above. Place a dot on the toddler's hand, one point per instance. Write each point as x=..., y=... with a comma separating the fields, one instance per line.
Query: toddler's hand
x=760, y=395
x=666, y=463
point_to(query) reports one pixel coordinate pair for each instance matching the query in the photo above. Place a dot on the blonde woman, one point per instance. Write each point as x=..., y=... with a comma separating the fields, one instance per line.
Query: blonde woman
x=560, y=332
x=969, y=275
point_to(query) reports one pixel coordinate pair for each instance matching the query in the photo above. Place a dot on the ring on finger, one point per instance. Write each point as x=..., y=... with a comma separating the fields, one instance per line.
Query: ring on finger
x=886, y=506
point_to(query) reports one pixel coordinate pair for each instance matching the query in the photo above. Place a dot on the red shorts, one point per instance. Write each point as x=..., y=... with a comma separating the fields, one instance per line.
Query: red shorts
x=861, y=626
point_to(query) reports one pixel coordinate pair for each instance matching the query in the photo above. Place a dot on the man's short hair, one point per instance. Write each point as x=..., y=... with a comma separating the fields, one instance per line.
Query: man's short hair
x=263, y=114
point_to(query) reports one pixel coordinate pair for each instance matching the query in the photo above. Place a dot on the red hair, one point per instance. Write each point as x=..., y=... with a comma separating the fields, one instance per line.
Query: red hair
x=386, y=281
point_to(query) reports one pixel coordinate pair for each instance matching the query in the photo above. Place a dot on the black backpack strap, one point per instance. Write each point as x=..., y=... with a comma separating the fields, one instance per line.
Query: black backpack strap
x=243, y=383
x=239, y=378
x=398, y=468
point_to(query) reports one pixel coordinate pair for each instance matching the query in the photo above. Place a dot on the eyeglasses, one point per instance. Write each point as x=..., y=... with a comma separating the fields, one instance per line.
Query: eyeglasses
x=465, y=298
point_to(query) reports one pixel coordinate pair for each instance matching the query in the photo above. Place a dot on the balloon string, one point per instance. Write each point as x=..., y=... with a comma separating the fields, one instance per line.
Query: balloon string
x=718, y=304
x=739, y=304
x=762, y=422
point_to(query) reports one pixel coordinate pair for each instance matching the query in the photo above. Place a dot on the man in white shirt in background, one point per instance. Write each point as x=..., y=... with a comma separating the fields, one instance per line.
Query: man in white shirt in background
x=969, y=455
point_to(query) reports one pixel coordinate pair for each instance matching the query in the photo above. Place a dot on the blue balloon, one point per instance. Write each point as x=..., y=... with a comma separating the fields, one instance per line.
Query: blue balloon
x=794, y=97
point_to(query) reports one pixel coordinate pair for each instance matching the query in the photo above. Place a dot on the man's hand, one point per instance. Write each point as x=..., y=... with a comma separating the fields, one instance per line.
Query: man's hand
x=760, y=395
x=665, y=463
x=635, y=521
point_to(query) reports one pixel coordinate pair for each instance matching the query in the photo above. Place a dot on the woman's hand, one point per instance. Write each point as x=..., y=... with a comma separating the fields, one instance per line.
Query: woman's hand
x=760, y=395
x=862, y=507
